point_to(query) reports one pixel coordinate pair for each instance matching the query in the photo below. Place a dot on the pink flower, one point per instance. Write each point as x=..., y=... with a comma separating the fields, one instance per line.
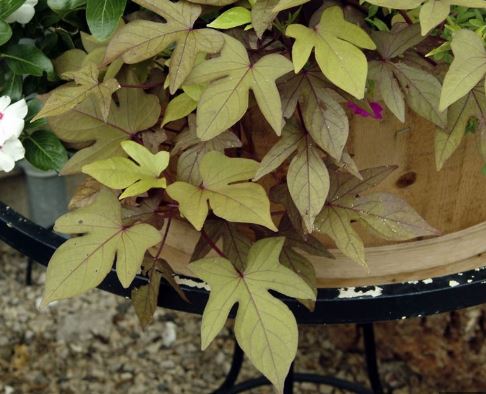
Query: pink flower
x=375, y=107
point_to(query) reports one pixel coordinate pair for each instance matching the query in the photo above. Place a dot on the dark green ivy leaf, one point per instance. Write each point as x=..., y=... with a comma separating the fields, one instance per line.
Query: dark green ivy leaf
x=103, y=16
x=26, y=59
x=44, y=151
x=5, y=32
x=7, y=7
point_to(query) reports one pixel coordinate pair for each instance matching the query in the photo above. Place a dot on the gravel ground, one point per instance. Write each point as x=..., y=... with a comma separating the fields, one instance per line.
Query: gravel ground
x=93, y=344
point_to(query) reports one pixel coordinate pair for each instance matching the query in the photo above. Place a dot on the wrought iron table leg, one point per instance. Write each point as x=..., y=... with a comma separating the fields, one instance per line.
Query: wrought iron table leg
x=229, y=387
x=371, y=361
x=30, y=265
x=28, y=272
x=233, y=373
x=303, y=377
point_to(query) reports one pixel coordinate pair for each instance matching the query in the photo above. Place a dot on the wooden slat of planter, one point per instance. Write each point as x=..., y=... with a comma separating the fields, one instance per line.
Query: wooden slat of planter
x=387, y=264
x=451, y=199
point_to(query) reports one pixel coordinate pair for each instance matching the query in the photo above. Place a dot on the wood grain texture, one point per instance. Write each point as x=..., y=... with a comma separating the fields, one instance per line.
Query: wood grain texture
x=453, y=200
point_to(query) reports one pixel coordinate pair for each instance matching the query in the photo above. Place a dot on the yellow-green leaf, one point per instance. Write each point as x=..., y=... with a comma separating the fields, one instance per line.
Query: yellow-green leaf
x=336, y=42
x=122, y=173
x=222, y=186
x=69, y=61
x=136, y=111
x=324, y=117
x=335, y=222
x=467, y=69
x=286, y=4
x=308, y=182
x=396, y=42
x=265, y=328
x=194, y=150
x=390, y=217
x=144, y=299
x=432, y=12
x=281, y=150
x=422, y=92
x=397, y=4
x=235, y=245
x=232, y=76
x=68, y=96
x=179, y=107
x=213, y=2
x=81, y=263
x=233, y=17
x=473, y=105
x=141, y=40
x=344, y=185
x=262, y=15
x=389, y=88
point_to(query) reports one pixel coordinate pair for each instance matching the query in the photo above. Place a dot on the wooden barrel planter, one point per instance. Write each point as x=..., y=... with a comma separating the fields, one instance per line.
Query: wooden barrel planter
x=449, y=200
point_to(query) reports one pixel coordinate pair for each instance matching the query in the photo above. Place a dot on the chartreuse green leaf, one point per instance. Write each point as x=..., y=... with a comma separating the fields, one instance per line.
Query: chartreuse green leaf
x=122, y=173
x=281, y=150
x=432, y=12
x=141, y=40
x=232, y=76
x=396, y=42
x=81, y=263
x=144, y=299
x=422, y=92
x=233, y=17
x=467, y=69
x=389, y=217
x=389, y=88
x=308, y=182
x=213, y=2
x=71, y=60
x=178, y=108
x=336, y=223
x=323, y=116
x=265, y=328
x=103, y=16
x=222, y=186
x=471, y=106
x=398, y=82
x=136, y=111
x=68, y=96
x=262, y=15
x=286, y=4
x=336, y=43
x=291, y=257
x=193, y=150
x=397, y=4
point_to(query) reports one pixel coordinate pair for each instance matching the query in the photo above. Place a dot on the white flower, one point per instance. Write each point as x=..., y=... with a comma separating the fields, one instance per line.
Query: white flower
x=24, y=13
x=11, y=126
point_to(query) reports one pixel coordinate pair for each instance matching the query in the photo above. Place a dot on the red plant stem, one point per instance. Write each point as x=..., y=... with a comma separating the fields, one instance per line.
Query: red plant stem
x=164, y=238
x=147, y=85
x=405, y=16
x=301, y=117
x=212, y=244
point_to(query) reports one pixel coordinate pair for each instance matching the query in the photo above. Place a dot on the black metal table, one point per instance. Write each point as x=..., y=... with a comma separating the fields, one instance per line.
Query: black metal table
x=362, y=305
